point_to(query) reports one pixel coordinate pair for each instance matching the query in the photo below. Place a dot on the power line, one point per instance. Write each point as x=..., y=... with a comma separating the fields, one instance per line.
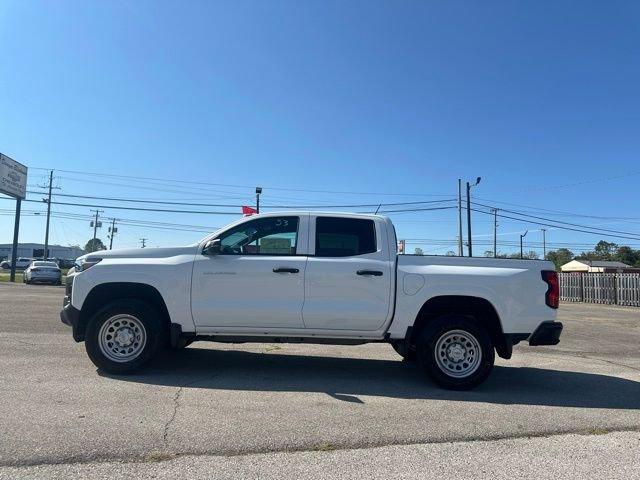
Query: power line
x=135, y=208
x=559, y=226
x=585, y=182
x=191, y=204
x=414, y=210
x=83, y=217
x=118, y=207
x=558, y=212
x=191, y=182
x=558, y=221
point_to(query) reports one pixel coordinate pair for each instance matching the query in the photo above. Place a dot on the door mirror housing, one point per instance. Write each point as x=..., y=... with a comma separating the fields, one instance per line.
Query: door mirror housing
x=212, y=247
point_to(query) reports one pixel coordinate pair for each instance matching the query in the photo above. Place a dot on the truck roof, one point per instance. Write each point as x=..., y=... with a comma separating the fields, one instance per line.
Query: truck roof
x=317, y=212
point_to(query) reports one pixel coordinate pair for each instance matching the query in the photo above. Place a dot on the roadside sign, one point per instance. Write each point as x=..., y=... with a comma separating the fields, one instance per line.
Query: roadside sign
x=13, y=182
x=13, y=177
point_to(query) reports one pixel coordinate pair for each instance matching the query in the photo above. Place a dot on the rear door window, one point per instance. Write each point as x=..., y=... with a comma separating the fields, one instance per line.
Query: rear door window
x=344, y=237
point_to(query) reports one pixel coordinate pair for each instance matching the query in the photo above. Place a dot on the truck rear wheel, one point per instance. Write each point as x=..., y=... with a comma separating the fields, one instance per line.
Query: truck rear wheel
x=456, y=352
x=124, y=336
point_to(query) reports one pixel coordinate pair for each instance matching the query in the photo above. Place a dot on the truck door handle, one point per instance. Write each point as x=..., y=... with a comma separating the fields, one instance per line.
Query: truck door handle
x=285, y=270
x=374, y=273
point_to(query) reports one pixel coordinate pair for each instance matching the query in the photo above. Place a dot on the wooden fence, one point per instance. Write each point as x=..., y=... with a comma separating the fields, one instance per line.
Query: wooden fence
x=608, y=288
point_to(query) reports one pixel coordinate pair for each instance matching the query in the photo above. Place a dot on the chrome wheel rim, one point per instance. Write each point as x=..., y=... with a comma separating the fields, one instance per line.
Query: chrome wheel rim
x=122, y=338
x=458, y=353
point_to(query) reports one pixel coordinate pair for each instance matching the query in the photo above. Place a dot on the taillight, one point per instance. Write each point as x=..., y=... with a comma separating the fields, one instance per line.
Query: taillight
x=552, y=297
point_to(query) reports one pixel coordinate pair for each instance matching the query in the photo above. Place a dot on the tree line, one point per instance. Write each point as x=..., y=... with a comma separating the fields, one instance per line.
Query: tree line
x=603, y=250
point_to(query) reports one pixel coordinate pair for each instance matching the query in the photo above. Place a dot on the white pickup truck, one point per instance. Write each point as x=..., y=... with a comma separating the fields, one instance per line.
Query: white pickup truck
x=311, y=277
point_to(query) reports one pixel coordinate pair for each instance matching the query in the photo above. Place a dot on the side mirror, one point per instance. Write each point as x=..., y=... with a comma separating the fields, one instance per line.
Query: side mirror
x=212, y=247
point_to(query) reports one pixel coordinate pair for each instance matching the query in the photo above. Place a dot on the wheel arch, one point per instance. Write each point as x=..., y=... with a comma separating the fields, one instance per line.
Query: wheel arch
x=481, y=309
x=104, y=293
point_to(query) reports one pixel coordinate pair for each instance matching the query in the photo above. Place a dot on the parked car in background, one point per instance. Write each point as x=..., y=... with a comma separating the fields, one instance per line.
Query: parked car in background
x=21, y=263
x=66, y=262
x=42, y=271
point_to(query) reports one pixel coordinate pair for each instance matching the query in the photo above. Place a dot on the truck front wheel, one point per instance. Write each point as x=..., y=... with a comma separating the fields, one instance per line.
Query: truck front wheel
x=123, y=336
x=456, y=352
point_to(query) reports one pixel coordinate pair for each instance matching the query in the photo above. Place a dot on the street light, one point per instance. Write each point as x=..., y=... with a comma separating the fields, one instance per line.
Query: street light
x=258, y=192
x=469, y=213
x=521, y=237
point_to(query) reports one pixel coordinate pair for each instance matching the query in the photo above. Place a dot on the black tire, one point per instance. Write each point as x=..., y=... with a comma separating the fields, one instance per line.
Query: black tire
x=408, y=355
x=433, y=342
x=154, y=331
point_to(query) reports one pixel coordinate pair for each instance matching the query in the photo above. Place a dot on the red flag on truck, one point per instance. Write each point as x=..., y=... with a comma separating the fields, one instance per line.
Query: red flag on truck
x=246, y=211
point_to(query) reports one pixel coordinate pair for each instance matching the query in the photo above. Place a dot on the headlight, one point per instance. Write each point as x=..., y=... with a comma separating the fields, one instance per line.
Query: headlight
x=88, y=263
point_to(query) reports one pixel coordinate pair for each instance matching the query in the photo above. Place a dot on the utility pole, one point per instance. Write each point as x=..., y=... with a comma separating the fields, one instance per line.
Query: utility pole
x=48, y=202
x=495, y=233
x=460, y=252
x=95, y=229
x=544, y=243
x=112, y=231
x=46, y=232
x=258, y=192
x=143, y=242
x=521, y=237
x=469, y=213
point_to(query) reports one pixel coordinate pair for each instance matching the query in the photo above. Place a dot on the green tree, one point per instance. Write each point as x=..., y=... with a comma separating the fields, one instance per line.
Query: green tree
x=94, y=245
x=560, y=257
x=418, y=251
x=605, y=250
x=627, y=255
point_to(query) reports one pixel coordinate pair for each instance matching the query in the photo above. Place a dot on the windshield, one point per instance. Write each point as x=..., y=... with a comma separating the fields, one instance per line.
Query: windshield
x=45, y=264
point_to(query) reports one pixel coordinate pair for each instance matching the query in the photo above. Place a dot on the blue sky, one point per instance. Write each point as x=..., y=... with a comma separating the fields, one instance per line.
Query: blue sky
x=389, y=101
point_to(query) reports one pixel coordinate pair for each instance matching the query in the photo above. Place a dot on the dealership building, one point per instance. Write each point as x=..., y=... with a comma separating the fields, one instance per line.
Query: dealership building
x=32, y=250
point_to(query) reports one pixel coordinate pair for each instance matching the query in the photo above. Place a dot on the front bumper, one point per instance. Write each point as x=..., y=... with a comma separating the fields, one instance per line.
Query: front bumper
x=71, y=315
x=547, y=333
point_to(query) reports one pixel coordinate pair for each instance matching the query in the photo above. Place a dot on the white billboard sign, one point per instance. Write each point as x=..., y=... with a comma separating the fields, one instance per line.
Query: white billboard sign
x=13, y=177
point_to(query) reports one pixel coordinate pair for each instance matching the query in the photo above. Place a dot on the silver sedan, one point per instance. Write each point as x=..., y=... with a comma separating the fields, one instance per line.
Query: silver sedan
x=43, y=272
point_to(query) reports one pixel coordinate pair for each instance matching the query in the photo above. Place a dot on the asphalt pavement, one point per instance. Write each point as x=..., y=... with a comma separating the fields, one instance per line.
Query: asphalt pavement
x=263, y=410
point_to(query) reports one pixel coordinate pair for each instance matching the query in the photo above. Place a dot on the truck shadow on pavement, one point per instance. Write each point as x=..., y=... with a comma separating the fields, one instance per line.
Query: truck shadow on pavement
x=346, y=378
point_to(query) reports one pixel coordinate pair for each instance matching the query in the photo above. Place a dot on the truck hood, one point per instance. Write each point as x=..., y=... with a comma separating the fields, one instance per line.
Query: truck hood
x=143, y=252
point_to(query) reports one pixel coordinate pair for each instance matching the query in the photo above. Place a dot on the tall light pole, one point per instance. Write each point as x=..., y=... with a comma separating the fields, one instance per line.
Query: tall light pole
x=521, y=237
x=495, y=233
x=544, y=243
x=258, y=192
x=469, y=213
x=460, y=252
